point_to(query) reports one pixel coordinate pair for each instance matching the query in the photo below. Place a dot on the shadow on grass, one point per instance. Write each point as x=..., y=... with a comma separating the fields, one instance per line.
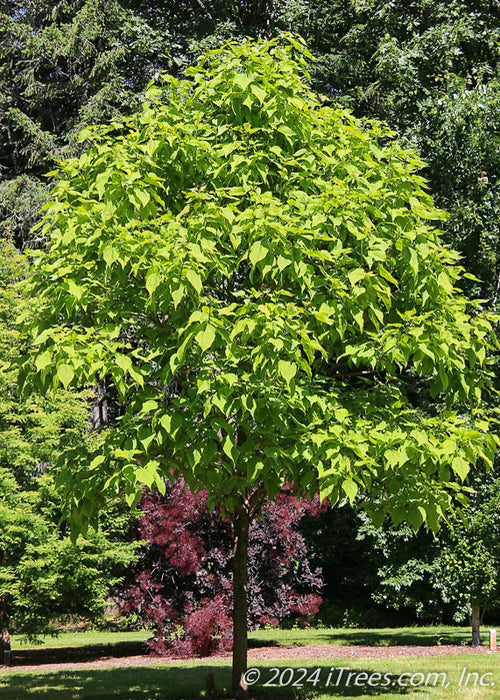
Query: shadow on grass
x=34, y=656
x=174, y=682
x=418, y=637
x=59, y=655
x=256, y=643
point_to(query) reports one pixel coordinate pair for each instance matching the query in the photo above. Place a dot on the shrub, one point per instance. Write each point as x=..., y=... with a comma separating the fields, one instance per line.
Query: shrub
x=182, y=587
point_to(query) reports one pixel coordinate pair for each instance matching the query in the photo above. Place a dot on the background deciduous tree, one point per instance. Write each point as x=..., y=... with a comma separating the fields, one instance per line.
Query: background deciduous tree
x=453, y=572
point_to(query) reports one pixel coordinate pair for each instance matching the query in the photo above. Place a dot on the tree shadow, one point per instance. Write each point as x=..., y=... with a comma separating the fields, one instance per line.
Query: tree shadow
x=334, y=682
x=34, y=656
x=58, y=655
x=418, y=637
x=176, y=683
x=257, y=643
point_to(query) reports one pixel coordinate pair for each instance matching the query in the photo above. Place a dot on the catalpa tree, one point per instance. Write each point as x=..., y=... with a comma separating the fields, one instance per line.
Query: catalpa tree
x=260, y=277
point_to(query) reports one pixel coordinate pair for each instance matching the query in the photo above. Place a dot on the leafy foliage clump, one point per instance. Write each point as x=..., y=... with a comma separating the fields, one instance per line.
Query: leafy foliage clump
x=261, y=278
x=182, y=584
x=443, y=576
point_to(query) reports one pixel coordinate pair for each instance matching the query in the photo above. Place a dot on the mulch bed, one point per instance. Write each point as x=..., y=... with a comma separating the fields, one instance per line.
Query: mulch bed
x=99, y=657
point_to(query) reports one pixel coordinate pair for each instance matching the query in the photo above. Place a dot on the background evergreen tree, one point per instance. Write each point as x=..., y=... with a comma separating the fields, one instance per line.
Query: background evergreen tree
x=44, y=577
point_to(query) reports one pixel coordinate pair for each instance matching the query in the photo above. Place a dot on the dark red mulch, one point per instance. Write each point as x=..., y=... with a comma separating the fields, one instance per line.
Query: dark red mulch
x=133, y=654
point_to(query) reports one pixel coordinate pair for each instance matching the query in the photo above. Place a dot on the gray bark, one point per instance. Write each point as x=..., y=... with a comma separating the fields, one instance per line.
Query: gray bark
x=99, y=415
x=476, y=624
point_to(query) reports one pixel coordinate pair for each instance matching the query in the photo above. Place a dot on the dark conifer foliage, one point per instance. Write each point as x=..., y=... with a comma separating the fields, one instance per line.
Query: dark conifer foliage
x=63, y=65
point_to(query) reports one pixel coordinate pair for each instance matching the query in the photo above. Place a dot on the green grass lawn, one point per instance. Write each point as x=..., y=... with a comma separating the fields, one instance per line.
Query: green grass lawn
x=349, y=636
x=424, y=636
x=187, y=680
x=81, y=639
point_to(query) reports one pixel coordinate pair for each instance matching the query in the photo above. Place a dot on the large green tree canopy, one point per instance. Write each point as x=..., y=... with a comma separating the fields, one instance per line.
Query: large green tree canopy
x=261, y=277
x=429, y=68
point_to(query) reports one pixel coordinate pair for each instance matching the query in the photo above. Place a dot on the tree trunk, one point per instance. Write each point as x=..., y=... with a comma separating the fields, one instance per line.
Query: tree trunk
x=476, y=622
x=99, y=414
x=5, y=647
x=4, y=633
x=240, y=604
